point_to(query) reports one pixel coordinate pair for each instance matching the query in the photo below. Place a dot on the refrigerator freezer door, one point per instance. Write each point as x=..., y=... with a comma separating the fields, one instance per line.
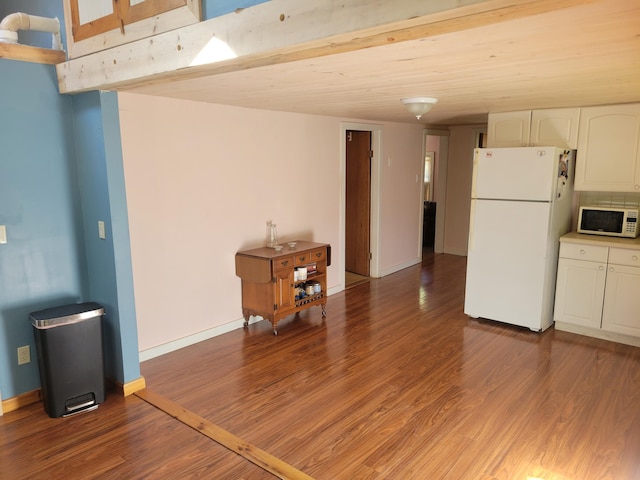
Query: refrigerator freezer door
x=527, y=173
x=507, y=263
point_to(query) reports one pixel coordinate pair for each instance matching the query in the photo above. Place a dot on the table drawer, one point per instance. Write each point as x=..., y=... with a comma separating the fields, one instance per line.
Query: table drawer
x=580, y=251
x=623, y=256
x=318, y=255
x=301, y=259
x=284, y=263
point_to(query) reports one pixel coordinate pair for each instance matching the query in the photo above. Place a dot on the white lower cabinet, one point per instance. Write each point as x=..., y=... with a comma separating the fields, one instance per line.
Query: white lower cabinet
x=598, y=292
x=580, y=292
x=621, y=311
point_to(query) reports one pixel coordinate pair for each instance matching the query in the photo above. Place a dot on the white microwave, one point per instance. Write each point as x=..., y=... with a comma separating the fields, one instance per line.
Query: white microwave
x=612, y=221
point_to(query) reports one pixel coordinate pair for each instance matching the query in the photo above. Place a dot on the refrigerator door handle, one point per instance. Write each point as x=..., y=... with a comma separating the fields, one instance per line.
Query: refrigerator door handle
x=472, y=226
x=474, y=172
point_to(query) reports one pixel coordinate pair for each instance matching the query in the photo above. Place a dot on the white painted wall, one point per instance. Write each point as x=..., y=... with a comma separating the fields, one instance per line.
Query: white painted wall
x=459, y=173
x=401, y=197
x=202, y=180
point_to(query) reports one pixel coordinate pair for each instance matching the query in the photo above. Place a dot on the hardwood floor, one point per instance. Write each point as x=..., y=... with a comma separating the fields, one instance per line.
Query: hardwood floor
x=352, y=279
x=397, y=383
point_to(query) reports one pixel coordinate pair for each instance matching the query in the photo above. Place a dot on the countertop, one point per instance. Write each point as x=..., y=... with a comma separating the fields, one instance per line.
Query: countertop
x=601, y=240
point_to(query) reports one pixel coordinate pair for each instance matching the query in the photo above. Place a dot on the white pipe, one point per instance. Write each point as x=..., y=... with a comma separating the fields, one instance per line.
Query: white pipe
x=10, y=25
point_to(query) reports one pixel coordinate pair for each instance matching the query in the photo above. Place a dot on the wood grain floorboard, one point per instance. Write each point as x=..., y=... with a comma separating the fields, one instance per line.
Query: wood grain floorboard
x=396, y=383
x=228, y=440
x=125, y=438
x=399, y=383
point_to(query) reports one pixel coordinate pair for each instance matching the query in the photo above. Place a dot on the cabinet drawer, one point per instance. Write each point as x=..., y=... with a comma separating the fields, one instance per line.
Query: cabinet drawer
x=301, y=259
x=623, y=256
x=284, y=263
x=579, y=251
x=318, y=255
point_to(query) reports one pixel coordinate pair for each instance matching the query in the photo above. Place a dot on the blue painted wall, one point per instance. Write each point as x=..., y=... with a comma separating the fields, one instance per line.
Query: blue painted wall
x=103, y=198
x=43, y=263
x=216, y=8
x=60, y=171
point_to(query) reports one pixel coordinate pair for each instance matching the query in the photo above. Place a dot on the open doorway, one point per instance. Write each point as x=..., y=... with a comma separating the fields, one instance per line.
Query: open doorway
x=434, y=174
x=429, y=205
x=357, y=207
x=372, y=253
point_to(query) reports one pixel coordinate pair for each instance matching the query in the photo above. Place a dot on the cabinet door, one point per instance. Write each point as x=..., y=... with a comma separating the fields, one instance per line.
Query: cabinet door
x=609, y=149
x=509, y=129
x=622, y=300
x=94, y=17
x=94, y=25
x=285, y=298
x=580, y=292
x=555, y=127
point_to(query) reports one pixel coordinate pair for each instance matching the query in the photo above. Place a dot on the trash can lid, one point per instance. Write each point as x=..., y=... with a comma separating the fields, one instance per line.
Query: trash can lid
x=65, y=314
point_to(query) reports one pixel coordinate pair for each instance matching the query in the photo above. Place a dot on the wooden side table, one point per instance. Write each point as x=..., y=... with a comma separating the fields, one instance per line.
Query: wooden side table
x=273, y=283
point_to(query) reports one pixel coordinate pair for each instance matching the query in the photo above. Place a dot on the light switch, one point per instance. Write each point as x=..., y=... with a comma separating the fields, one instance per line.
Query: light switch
x=3, y=234
x=101, y=233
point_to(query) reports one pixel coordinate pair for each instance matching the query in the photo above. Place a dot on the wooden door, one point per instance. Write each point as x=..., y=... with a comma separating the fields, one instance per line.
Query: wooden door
x=358, y=202
x=284, y=290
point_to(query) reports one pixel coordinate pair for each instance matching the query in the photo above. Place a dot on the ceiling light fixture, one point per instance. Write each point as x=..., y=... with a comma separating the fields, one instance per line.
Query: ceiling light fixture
x=419, y=105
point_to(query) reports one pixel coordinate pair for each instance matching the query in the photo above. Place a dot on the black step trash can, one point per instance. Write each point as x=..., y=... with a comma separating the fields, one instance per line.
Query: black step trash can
x=70, y=358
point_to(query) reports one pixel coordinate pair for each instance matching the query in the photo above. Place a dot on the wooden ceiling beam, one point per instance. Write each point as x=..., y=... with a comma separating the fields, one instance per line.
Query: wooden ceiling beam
x=283, y=31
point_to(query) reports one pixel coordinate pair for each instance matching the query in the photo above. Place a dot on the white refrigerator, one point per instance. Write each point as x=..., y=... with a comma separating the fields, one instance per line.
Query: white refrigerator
x=521, y=204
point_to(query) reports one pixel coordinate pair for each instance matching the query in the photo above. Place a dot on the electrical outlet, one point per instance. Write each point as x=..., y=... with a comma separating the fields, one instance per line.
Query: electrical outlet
x=24, y=355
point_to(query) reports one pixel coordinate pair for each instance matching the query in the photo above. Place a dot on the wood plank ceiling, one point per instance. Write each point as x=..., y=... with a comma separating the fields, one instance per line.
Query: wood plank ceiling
x=587, y=54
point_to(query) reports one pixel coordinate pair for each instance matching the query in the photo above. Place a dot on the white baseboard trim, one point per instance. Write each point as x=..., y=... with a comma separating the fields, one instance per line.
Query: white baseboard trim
x=598, y=333
x=336, y=289
x=456, y=251
x=401, y=266
x=168, y=347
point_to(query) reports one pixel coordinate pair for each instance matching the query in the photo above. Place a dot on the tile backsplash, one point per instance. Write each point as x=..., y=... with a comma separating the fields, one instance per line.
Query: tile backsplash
x=610, y=199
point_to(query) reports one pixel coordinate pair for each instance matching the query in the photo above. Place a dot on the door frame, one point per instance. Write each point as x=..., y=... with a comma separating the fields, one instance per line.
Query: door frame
x=374, y=226
x=440, y=186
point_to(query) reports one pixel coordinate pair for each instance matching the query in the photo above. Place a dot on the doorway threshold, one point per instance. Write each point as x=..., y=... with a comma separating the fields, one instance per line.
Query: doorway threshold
x=352, y=279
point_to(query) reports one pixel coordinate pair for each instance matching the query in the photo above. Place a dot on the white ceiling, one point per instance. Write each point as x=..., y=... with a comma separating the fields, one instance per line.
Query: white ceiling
x=584, y=55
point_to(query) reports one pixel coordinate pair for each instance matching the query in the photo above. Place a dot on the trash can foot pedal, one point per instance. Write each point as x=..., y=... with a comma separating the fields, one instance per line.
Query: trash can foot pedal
x=82, y=403
x=92, y=406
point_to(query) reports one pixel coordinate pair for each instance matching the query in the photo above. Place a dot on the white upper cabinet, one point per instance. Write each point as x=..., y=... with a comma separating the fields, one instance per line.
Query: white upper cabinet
x=609, y=149
x=509, y=129
x=557, y=127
